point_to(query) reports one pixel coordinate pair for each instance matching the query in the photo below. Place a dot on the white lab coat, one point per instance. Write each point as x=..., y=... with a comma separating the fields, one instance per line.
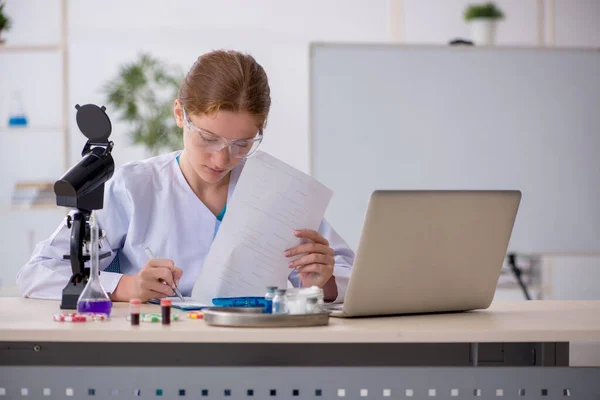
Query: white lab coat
x=149, y=203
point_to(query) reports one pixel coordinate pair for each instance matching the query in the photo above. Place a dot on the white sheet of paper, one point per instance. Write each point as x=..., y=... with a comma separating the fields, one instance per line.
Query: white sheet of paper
x=270, y=201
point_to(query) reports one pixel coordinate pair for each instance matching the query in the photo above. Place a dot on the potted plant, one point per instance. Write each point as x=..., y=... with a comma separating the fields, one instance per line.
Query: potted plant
x=143, y=93
x=483, y=19
x=5, y=22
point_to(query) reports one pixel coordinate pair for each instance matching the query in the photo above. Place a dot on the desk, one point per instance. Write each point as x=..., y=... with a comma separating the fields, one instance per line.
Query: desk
x=422, y=355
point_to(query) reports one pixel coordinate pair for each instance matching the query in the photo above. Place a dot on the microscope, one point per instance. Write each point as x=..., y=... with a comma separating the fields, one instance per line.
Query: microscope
x=82, y=188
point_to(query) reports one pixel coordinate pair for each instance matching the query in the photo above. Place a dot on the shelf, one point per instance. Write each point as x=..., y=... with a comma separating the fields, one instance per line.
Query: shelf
x=28, y=195
x=30, y=129
x=54, y=212
x=30, y=48
x=41, y=207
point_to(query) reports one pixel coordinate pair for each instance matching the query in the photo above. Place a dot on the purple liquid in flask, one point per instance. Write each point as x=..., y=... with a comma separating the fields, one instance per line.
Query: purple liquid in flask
x=94, y=306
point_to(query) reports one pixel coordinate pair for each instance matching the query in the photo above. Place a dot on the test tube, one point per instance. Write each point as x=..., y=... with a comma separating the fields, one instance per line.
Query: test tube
x=134, y=310
x=165, y=305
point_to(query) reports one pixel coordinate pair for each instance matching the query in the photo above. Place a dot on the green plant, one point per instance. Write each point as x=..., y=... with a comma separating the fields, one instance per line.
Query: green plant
x=143, y=93
x=5, y=21
x=487, y=10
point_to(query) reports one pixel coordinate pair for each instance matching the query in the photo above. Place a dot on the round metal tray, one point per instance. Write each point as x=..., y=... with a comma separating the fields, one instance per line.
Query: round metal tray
x=249, y=317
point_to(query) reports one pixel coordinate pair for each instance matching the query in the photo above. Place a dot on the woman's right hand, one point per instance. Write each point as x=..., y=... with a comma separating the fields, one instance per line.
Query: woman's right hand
x=146, y=284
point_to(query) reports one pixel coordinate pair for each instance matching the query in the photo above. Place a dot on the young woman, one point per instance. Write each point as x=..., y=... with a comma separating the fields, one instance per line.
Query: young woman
x=175, y=202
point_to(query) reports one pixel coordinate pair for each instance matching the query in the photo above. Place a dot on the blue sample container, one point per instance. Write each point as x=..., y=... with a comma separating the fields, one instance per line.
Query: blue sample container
x=17, y=121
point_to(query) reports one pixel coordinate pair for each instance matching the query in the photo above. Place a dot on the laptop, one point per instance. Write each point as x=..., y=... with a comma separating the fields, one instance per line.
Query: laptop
x=429, y=251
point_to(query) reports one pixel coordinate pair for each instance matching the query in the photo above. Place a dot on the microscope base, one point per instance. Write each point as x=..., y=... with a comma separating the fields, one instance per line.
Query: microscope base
x=70, y=295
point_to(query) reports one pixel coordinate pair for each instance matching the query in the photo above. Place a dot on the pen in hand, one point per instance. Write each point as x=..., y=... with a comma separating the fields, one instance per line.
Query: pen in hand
x=174, y=287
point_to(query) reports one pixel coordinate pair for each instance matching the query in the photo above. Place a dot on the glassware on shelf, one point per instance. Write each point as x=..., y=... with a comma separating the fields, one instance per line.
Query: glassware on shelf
x=17, y=116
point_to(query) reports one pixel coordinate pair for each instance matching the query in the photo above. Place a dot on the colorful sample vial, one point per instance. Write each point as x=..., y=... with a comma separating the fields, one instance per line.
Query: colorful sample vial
x=279, y=302
x=269, y=299
x=134, y=311
x=165, y=305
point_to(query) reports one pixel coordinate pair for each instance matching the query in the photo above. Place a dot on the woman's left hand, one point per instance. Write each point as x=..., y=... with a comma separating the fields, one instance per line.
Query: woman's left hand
x=315, y=266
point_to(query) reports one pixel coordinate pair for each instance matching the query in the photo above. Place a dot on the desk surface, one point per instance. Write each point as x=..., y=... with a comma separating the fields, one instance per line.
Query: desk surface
x=27, y=320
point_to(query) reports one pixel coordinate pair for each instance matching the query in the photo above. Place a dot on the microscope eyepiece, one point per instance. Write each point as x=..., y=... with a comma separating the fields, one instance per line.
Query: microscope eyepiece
x=82, y=186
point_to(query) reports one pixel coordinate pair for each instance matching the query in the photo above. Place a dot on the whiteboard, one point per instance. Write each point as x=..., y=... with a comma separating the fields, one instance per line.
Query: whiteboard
x=429, y=117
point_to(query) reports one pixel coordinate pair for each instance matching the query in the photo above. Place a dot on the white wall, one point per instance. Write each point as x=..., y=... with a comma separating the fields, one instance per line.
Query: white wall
x=34, y=154
x=577, y=23
x=439, y=21
x=276, y=33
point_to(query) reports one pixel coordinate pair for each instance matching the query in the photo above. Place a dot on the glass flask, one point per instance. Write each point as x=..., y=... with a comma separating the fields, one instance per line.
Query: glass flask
x=17, y=117
x=94, y=299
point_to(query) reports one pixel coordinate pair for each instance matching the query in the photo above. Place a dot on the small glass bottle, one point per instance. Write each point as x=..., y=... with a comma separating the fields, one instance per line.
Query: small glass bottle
x=312, y=306
x=94, y=299
x=134, y=311
x=279, y=302
x=269, y=299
